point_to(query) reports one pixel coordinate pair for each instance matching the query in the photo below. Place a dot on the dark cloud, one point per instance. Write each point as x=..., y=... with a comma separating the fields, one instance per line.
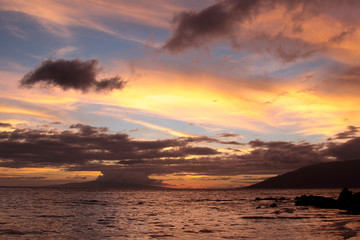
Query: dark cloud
x=5, y=124
x=229, y=135
x=193, y=29
x=110, y=84
x=351, y=132
x=127, y=178
x=211, y=140
x=125, y=160
x=284, y=155
x=30, y=147
x=222, y=21
x=87, y=130
x=198, y=151
x=71, y=74
x=349, y=150
x=338, y=38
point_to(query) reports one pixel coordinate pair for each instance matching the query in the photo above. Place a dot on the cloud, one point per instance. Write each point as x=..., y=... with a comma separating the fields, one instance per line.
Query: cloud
x=198, y=151
x=84, y=144
x=248, y=24
x=349, y=150
x=229, y=135
x=289, y=49
x=127, y=178
x=91, y=148
x=342, y=80
x=193, y=29
x=16, y=31
x=338, y=38
x=7, y=125
x=211, y=140
x=284, y=155
x=350, y=133
x=71, y=74
x=129, y=161
x=86, y=130
x=60, y=18
x=64, y=51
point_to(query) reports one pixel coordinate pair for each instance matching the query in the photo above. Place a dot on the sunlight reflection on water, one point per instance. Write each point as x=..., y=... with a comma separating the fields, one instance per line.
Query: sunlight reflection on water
x=29, y=213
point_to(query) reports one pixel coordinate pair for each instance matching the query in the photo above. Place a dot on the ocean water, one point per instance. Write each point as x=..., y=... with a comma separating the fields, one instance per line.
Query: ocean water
x=35, y=213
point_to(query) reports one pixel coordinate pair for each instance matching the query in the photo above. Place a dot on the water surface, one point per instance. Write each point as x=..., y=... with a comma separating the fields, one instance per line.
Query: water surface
x=36, y=213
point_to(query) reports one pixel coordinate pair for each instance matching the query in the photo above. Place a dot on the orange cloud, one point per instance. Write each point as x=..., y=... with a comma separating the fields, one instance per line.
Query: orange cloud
x=24, y=111
x=194, y=181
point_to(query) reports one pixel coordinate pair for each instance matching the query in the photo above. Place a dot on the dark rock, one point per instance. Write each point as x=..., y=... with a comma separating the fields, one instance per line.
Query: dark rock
x=356, y=197
x=346, y=201
x=345, y=195
x=316, y=201
x=349, y=201
x=353, y=211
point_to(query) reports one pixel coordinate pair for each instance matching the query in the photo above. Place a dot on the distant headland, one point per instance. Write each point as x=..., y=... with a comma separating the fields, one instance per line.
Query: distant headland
x=336, y=174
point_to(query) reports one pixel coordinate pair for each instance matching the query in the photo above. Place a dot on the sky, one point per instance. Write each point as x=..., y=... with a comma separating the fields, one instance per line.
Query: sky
x=176, y=93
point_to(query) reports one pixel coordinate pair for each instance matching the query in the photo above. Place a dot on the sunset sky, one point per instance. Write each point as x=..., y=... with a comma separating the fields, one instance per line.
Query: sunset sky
x=176, y=93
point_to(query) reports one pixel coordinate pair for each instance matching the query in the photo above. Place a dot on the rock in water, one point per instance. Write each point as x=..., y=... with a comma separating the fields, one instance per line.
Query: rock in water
x=316, y=201
x=346, y=201
x=345, y=195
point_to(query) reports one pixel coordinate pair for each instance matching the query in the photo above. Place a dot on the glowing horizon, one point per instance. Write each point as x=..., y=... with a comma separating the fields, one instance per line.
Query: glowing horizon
x=178, y=88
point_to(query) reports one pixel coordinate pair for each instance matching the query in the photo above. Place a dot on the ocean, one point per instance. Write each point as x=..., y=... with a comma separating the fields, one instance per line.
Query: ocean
x=41, y=213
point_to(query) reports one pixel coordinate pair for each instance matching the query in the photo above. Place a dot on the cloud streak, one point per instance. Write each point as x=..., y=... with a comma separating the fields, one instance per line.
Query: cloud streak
x=72, y=74
x=59, y=18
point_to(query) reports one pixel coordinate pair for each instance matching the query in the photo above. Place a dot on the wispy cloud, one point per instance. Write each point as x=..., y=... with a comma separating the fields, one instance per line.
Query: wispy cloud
x=62, y=52
x=160, y=128
x=58, y=17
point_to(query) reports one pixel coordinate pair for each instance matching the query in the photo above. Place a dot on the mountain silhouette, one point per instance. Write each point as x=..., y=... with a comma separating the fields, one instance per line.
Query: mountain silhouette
x=337, y=174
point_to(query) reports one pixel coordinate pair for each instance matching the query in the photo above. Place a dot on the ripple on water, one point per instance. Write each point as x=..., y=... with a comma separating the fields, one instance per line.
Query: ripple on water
x=56, y=216
x=174, y=215
x=90, y=202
